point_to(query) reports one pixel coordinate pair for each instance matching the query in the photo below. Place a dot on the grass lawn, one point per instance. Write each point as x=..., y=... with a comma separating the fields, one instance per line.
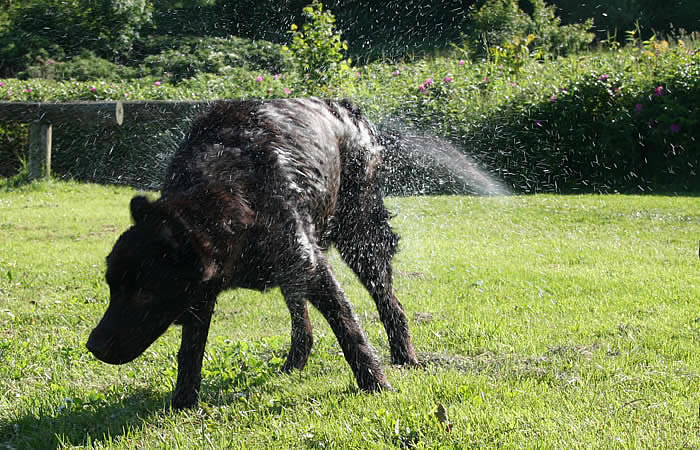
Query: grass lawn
x=544, y=321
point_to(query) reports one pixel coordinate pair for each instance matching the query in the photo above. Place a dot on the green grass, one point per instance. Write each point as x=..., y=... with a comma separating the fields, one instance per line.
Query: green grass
x=544, y=321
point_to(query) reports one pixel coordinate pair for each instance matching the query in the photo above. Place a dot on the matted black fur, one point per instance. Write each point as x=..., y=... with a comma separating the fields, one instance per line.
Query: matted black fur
x=251, y=199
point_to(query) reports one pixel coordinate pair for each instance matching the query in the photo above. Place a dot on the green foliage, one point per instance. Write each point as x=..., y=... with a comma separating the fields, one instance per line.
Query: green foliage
x=67, y=27
x=83, y=67
x=317, y=50
x=194, y=55
x=13, y=144
x=503, y=25
x=569, y=124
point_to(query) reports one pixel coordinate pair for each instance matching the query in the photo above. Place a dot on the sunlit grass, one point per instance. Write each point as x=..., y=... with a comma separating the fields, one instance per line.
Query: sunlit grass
x=552, y=321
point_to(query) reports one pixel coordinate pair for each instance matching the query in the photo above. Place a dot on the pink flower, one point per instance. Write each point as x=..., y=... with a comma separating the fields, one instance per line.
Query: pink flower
x=2, y=84
x=28, y=90
x=486, y=79
x=461, y=62
x=396, y=72
x=156, y=83
x=553, y=98
x=675, y=128
x=513, y=84
x=638, y=107
x=287, y=91
x=448, y=79
x=276, y=76
x=421, y=88
x=51, y=61
x=659, y=91
x=603, y=77
x=126, y=94
x=93, y=89
x=428, y=82
x=358, y=73
x=259, y=78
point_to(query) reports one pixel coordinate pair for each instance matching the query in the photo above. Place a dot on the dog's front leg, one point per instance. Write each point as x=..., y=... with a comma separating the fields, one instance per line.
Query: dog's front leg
x=195, y=328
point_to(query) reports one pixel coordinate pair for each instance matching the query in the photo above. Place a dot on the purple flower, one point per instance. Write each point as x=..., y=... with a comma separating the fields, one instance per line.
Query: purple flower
x=638, y=107
x=659, y=91
x=2, y=84
x=421, y=88
x=259, y=78
x=448, y=79
x=564, y=91
x=603, y=77
x=675, y=128
x=396, y=72
x=553, y=98
x=538, y=122
x=428, y=82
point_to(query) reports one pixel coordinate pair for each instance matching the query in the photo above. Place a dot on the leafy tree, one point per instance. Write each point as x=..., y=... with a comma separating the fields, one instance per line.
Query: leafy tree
x=65, y=27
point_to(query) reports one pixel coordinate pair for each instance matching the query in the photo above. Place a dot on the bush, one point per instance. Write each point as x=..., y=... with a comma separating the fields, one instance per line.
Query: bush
x=601, y=122
x=317, y=50
x=500, y=23
x=84, y=67
x=67, y=27
x=194, y=55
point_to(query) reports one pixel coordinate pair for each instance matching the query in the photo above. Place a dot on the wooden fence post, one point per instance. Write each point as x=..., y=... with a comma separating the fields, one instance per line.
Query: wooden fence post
x=39, y=150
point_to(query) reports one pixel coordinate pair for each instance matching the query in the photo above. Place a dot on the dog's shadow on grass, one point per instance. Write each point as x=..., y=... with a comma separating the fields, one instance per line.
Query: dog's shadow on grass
x=102, y=421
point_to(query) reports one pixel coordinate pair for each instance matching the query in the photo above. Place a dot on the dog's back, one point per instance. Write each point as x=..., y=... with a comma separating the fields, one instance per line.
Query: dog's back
x=295, y=150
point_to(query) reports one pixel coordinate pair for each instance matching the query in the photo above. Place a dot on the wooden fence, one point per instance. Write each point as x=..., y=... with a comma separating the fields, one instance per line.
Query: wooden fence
x=42, y=116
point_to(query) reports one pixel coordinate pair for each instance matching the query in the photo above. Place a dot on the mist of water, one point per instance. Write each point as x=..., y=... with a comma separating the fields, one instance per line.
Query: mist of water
x=418, y=163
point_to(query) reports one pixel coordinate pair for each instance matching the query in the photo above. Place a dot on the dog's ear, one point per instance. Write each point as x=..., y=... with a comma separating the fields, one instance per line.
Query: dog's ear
x=141, y=208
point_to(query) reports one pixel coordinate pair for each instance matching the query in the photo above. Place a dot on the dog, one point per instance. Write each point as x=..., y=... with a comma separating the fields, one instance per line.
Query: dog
x=252, y=198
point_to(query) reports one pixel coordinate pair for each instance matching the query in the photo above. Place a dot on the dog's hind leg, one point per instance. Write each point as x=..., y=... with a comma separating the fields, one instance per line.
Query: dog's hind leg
x=322, y=289
x=367, y=244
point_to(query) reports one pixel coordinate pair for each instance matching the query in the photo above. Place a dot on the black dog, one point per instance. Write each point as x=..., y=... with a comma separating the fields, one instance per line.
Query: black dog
x=252, y=197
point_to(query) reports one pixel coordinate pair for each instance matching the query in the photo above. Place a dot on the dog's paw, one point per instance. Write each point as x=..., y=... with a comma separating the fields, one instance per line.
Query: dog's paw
x=184, y=399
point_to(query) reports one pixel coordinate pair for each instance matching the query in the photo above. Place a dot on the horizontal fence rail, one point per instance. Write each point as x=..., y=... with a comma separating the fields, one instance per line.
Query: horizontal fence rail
x=42, y=115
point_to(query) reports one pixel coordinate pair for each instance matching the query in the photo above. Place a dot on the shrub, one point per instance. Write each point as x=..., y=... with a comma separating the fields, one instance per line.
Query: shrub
x=109, y=28
x=317, y=50
x=501, y=23
x=83, y=67
x=194, y=55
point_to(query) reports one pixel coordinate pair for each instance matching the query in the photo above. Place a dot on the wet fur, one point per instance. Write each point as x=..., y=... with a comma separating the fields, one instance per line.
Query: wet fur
x=252, y=198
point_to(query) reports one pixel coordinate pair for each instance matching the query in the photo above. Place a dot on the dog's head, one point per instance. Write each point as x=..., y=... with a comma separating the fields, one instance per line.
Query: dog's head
x=154, y=271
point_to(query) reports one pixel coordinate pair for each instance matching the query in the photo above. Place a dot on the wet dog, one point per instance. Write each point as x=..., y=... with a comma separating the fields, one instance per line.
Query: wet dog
x=252, y=198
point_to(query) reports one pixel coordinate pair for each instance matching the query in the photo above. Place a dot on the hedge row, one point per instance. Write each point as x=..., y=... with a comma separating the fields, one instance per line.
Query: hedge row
x=613, y=120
